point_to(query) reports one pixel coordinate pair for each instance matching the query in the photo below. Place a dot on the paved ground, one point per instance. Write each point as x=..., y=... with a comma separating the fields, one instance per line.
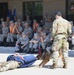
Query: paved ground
x=5, y=51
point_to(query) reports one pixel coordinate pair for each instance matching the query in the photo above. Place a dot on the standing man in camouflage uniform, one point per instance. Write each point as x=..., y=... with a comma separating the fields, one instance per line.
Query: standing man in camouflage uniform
x=60, y=31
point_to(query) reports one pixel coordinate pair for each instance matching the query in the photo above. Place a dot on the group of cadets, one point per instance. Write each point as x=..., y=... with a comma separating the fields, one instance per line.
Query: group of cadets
x=28, y=36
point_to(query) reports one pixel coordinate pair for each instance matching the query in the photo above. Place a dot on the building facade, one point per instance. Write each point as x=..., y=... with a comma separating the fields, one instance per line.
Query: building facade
x=38, y=8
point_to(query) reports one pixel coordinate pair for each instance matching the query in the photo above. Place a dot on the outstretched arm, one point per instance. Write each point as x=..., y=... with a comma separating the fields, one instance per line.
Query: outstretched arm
x=17, y=54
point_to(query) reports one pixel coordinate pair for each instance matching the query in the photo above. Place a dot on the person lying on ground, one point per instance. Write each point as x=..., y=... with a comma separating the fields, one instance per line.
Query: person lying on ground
x=17, y=61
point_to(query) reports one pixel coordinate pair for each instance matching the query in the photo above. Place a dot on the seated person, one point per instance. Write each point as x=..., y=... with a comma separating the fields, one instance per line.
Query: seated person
x=28, y=30
x=1, y=40
x=22, y=43
x=5, y=31
x=35, y=25
x=48, y=25
x=34, y=43
x=17, y=61
x=45, y=42
x=12, y=34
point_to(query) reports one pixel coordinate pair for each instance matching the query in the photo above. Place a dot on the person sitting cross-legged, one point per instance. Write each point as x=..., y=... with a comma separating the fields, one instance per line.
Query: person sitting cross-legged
x=33, y=45
x=22, y=43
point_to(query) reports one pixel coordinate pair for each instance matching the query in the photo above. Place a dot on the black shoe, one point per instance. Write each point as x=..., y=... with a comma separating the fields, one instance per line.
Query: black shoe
x=65, y=66
x=54, y=66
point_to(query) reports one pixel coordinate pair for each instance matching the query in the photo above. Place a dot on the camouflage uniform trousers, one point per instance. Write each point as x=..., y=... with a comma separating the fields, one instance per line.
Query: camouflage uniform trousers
x=64, y=46
x=5, y=66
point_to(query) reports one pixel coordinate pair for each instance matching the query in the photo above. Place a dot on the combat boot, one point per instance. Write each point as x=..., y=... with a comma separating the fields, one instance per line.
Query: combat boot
x=65, y=65
x=54, y=66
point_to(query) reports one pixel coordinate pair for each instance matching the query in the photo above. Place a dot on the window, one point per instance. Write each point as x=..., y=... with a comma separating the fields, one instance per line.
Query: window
x=33, y=9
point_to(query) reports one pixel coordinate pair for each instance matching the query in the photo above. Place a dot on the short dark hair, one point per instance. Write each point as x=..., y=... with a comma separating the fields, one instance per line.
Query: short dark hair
x=58, y=13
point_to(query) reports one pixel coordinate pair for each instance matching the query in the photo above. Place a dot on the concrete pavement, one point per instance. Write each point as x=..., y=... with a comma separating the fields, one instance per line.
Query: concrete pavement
x=33, y=70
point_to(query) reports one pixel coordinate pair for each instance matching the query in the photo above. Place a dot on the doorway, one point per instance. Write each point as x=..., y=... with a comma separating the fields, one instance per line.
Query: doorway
x=70, y=10
x=3, y=10
x=33, y=9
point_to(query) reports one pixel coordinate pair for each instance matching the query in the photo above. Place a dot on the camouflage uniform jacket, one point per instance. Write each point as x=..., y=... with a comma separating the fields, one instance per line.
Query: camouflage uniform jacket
x=61, y=26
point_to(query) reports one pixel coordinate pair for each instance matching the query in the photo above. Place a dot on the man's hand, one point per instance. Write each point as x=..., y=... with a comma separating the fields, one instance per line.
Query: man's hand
x=16, y=45
x=31, y=41
x=17, y=54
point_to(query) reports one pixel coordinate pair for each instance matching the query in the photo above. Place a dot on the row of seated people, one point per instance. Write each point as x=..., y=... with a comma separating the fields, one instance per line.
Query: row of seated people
x=11, y=31
x=38, y=42
x=12, y=34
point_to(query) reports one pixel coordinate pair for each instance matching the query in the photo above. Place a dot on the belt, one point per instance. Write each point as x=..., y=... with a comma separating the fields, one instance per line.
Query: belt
x=61, y=34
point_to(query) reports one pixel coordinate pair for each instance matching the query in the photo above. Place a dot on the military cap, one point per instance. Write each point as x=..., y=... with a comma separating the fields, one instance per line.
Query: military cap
x=34, y=20
x=26, y=24
x=49, y=17
x=23, y=22
x=11, y=22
